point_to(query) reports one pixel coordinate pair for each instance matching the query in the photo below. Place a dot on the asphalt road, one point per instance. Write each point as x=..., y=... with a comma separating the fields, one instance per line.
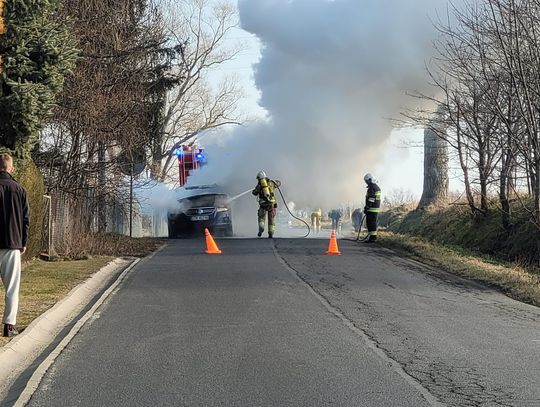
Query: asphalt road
x=279, y=324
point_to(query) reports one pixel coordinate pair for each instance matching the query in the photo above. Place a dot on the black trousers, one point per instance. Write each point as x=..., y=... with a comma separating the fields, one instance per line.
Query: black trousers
x=372, y=223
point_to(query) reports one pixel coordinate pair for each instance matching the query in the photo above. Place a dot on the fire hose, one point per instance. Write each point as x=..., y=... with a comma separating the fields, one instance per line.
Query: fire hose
x=293, y=215
x=359, y=231
x=286, y=206
x=362, y=221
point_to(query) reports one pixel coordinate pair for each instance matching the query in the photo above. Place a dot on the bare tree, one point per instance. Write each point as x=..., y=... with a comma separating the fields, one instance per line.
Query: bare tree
x=487, y=79
x=104, y=108
x=515, y=28
x=398, y=197
x=199, y=28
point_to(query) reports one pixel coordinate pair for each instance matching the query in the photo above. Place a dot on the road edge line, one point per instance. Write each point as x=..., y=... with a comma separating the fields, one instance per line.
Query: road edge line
x=22, y=351
x=396, y=366
x=36, y=378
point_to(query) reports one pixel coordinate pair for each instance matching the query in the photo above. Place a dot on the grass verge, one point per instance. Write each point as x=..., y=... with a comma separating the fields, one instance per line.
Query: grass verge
x=454, y=226
x=517, y=282
x=43, y=284
x=109, y=244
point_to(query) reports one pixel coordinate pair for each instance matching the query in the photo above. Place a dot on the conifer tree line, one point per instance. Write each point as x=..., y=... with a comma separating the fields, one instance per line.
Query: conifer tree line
x=37, y=52
x=85, y=82
x=487, y=103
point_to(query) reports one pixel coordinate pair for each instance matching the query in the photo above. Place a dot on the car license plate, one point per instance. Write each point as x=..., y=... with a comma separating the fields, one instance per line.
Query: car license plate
x=203, y=217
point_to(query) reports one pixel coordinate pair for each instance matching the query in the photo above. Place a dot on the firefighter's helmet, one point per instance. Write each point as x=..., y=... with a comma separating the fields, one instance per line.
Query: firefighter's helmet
x=369, y=178
x=261, y=175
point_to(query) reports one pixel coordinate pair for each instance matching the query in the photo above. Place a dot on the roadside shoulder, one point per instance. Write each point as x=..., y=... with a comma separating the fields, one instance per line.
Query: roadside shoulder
x=21, y=351
x=516, y=282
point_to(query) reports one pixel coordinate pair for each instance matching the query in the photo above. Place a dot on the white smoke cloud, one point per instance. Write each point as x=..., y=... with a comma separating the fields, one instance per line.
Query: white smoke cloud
x=331, y=74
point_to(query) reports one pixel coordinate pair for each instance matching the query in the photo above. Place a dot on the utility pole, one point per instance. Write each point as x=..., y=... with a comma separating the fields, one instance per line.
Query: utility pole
x=131, y=199
x=102, y=180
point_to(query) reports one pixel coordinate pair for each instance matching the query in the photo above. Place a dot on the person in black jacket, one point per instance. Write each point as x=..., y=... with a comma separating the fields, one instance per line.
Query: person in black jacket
x=14, y=224
x=372, y=207
x=335, y=215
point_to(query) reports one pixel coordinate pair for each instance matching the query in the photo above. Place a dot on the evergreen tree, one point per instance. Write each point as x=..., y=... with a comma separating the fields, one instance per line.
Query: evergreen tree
x=37, y=52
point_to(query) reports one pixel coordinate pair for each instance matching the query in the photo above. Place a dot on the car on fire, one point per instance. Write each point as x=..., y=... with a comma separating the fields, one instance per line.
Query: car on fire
x=200, y=207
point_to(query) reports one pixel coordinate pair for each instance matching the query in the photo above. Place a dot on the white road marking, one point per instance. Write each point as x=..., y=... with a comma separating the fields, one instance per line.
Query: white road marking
x=41, y=370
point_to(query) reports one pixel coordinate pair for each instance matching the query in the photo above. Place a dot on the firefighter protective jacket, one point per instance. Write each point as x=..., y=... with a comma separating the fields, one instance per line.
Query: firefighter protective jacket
x=271, y=199
x=373, y=199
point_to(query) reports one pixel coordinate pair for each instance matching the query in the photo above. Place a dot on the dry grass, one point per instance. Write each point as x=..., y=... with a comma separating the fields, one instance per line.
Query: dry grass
x=45, y=283
x=109, y=244
x=517, y=282
x=454, y=226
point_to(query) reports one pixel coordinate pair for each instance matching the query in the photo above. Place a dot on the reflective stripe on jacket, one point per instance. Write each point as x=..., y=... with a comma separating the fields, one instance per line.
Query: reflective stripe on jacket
x=373, y=198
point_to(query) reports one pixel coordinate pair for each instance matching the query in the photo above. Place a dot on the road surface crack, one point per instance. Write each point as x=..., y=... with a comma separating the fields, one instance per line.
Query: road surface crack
x=369, y=340
x=443, y=380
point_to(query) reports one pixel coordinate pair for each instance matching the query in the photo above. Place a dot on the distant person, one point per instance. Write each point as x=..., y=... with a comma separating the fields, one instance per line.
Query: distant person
x=14, y=224
x=335, y=215
x=372, y=207
x=264, y=190
x=316, y=217
x=357, y=218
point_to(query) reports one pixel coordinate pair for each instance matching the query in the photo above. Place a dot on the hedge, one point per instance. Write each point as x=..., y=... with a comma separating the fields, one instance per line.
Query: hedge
x=28, y=174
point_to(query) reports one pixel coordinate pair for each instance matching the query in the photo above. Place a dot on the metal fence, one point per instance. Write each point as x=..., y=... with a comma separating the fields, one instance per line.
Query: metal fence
x=67, y=220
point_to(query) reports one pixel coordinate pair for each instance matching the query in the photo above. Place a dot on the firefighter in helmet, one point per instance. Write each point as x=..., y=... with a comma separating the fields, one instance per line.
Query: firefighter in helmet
x=316, y=217
x=372, y=207
x=267, y=202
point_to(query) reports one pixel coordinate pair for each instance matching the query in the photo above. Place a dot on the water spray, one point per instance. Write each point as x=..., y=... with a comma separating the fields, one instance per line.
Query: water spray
x=234, y=198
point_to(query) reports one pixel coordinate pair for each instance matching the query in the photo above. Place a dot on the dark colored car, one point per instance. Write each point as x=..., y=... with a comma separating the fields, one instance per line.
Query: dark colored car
x=203, y=209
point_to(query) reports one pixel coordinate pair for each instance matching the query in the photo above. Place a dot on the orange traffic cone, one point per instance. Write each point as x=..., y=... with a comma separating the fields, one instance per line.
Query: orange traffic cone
x=333, y=247
x=211, y=246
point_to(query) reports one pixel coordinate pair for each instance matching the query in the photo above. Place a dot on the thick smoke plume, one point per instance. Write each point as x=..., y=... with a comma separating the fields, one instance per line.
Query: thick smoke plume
x=331, y=75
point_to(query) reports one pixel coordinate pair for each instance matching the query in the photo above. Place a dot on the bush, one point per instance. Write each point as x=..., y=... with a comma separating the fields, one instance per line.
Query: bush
x=109, y=244
x=28, y=174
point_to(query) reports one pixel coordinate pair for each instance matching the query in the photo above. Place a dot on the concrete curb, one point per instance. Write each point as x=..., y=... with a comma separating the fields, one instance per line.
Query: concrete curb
x=21, y=351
